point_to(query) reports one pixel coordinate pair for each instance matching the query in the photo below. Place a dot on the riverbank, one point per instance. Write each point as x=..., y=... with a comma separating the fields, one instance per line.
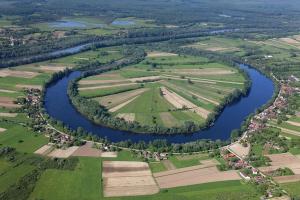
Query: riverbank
x=56, y=101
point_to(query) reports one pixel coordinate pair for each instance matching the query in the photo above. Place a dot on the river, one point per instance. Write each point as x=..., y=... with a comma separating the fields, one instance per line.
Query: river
x=58, y=106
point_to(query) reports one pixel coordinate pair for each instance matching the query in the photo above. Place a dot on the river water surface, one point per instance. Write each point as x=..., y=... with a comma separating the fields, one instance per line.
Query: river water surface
x=59, y=107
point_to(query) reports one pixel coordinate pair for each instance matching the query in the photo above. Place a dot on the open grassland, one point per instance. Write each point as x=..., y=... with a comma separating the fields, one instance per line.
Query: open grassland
x=292, y=188
x=21, y=138
x=83, y=183
x=10, y=174
x=181, y=161
x=165, y=89
x=232, y=190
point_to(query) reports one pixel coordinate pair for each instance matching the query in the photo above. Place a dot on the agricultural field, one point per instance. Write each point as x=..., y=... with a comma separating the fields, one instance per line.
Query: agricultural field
x=165, y=89
x=89, y=170
x=222, y=45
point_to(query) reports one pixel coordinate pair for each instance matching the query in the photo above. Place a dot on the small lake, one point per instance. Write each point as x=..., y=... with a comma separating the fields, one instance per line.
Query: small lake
x=58, y=106
x=73, y=24
x=123, y=22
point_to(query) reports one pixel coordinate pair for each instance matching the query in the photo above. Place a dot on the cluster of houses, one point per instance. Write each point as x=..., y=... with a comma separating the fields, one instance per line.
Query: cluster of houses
x=233, y=162
x=153, y=155
x=248, y=172
x=33, y=96
x=281, y=102
x=59, y=139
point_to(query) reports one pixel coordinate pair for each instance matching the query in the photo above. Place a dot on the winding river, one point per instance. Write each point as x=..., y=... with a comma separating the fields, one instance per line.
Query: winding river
x=59, y=107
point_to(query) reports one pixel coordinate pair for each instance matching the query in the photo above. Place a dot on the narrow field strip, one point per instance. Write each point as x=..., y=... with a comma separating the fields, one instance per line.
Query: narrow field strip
x=155, y=54
x=8, y=102
x=146, y=78
x=191, y=93
x=118, y=107
x=106, y=86
x=285, y=130
x=210, y=71
x=119, y=98
x=15, y=73
x=49, y=68
x=124, y=178
x=8, y=114
x=293, y=123
x=29, y=86
x=202, y=80
x=7, y=91
x=179, y=102
x=94, y=82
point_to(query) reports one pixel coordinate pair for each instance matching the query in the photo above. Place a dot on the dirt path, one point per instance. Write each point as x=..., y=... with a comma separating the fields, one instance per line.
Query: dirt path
x=189, y=93
x=168, y=164
x=111, y=101
x=180, y=102
x=118, y=107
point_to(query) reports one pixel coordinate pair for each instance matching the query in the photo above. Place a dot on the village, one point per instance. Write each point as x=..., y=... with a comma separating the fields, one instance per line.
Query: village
x=235, y=155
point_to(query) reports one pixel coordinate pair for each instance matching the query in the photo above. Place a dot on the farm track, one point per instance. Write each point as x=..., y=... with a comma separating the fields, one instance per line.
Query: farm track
x=179, y=102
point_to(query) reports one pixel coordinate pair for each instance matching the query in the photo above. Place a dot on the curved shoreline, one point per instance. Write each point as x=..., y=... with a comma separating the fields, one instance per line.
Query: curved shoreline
x=159, y=130
x=58, y=106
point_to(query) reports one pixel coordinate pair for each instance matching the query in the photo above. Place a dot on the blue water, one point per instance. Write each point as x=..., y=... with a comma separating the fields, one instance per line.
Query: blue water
x=72, y=24
x=59, y=107
x=123, y=22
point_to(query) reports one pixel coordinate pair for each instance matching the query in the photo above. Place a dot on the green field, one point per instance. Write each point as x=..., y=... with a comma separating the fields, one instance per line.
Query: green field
x=292, y=188
x=157, y=167
x=188, y=160
x=21, y=138
x=83, y=183
x=200, y=82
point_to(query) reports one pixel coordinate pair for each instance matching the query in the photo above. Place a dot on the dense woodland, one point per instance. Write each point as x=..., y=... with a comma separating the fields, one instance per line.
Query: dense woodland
x=249, y=20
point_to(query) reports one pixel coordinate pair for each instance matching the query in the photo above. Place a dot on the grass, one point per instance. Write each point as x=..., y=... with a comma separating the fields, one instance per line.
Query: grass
x=149, y=106
x=10, y=82
x=82, y=183
x=157, y=167
x=107, y=91
x=295, y=151
x=188, y=161
x=11, y=174
x=292, y=188
x=101, y=55
x=21, y=138
x=227, y=190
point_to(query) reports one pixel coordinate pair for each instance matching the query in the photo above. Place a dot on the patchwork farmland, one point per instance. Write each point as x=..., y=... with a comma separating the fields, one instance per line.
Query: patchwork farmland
x=165, y=90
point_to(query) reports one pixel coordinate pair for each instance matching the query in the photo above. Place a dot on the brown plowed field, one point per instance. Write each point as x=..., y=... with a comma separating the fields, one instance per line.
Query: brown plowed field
x=124, y=178
x=193, y=175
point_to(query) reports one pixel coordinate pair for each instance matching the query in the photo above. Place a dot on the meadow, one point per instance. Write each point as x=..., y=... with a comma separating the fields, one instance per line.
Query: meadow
x=174, y=88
